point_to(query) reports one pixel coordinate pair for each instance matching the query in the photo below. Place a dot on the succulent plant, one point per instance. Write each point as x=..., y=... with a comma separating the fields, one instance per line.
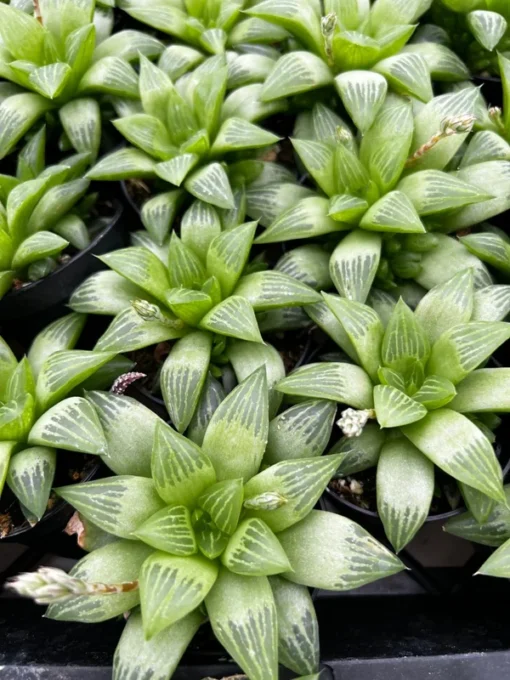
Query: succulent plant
x=419, y=379
x=43, y=211
x=184, y=134
x=41, y=410
x=404, y=179
x=208, y=533
x=63, y=58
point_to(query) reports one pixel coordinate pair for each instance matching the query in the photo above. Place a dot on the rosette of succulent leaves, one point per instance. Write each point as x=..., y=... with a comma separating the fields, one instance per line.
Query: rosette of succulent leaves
x=477, y=29
x=351, y=39
x=186, y=132
x=211, y=531
x=412, y=175
x=43, y=211
x=63, y=59
x=419, y=379
x=41, y=409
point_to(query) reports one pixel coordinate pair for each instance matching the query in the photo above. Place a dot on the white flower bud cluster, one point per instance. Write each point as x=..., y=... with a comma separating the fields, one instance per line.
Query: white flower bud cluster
x=270, y=500
x=454, y=125
x=352, y=422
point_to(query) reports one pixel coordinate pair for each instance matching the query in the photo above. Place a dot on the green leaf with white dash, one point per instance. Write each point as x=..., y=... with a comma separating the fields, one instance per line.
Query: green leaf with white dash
x=128, y=332
x=21, y=381
x=347, y=208
x=354, y=263
x=177, y=169
x=123, y=164
x=490, y=248
x=37, y=247
x=267, y=201
x=493, y=532
x=50, y=80
x=141, y=267
x=477, y=502
x=485, y=145
x=487, y=27
x=459, y=448
x=237, y=134
x=242, y=420
x=183, y=375
x=199, y=226
x=228, y=254
x=6, y=451
x=483, y=391
x=18, y=114
x=171, y=587
x=254, y=550
x=112, y=76
x=334, y=553
x=394, y=408
x=242, y=608
x=294, y=73
x=16, y=417
x=309, y=264
x=56, y=203
x=71, y=425
x=362, y=93
x=189, y=305
x=211, y=184
x=344, y=383
x=491, y=303
x=62, y=334
x=158, y=214
x=184, y=266
x=393, y=213
x=498, y=564
x=211, y=397
x=464, y=347
x=272, y=289
x=223, y=501
x=405, y=340
x=118, y=505
x=407, y=74
x=235, y=318
x=169, y=530
x=318, y=159
x=435, y=392
x=359, y=453
x=180, y=469
x=30, y=477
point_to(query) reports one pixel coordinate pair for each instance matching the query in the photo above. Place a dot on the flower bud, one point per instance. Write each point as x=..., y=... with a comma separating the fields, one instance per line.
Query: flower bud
x=270, y=500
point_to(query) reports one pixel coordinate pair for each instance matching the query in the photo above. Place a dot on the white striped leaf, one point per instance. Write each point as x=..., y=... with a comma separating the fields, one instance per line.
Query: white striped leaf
x=16, y=418
x=17, y=115
x=298, y=629
x=165, y=17
x=459, y=448
x=334, y=553
x=321, y=315
x=318, y=159
x=55, y=203
x=228, y=254
x=169, y=530
x=308, y=218
x=144, y=239
x=435, y=392
x=199, y=225
x=254, y=30
x=128, y=44
x=359, y=453
x=188, y=305
x=347, y=208
x=21, y=201
x=157, y=658
x=147, y=133
x=447, y=305
x=237, y=134
x=126, y=163
x=301, y=482
x=442, y=63
x=394, y=408
x=235, y=318
x=393, y=213
x=432, y=192
x=491, y=303
x=128, y=332
x=141, y=267
x=405, y=340
x=183, y=375
x=483, y=391
x=177, y=169
x=242, y=420
x=309, y=264
x=254, y=550
x=128, y=428
x=354, y=50
x=211, y=397
x=272, y=289
x=242, y=608
x=364, y=329
x=223, y=502
x=464, y=347
x=37, y=247
x=158, y=214
x=344, y=383
x=50, y=80
x=213, y=40
x=72, y=425
x=171, y=587
x=245, y=102
x=490, y=248
x=6, y=451
x=485, y=145
x=487, y=27
x=407, y=74
x=118, y=505
x=64, y=370
x=405, y=488
x=121, y=562
x=504, y=68
x=362, y=93
x=354, y=264
x=477, y=503
x=110, y=75
x=211, y=540
x=249, y=68
x=30, y=478
x=62, y=334
x=21, y=381
x=498, y=564
x=154, y=87
x=184, y=266
x=295, y=73
x=73, y=229
x=388, y=376
x=211, y=184
x=180, y=469
x=266, y=202
x=493, y=532
x=301, y=431
x=299, y=18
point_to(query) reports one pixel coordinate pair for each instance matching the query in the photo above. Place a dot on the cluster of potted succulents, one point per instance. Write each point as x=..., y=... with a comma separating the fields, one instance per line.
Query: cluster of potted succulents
x=278, y=227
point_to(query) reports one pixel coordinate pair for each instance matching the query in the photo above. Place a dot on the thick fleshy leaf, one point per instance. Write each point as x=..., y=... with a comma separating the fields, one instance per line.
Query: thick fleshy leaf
x=483, y=391
x=118, y=505
x=234, y=317
x=37, y=247
x=301, y=431
x=183, y=375
x=359, y=453
x=147, y=133
x=272, y=289
x=309, y=264
x=464, y=347
x=128, y=428
x=487, y=27
x=120, y=561
x=405, y=340
x=254, y=550
x=180, y=469
x=211, y=397
x=110, y=75
x=266, y=202
x=347, y=208
x=362, y=93
x=242, y=608
x=490, y=248
x=17, y=115
x=493, y=532
x=128, y=331
x=6, y=451
x=55, y=203
x=30, y=477
x=435, y=392
x=242, y=420
x=21, y=33
x=128, y=45
x=211, y=184
x=354, y=264
x=405, y=487
x=332, y=552
x=498, y=564
x=169, y=530
x=394, y=408
x=491, y=303
x=50, y=80
x=177, y=169
x=301, y=482
x=171, y=587
x=228, y=253
x=245, y=102
x=223, y=502
x=123, y=164
x=294, y=73
x=21, y=381
x=344, y=383
x=237, y=134
x=407, y=74
x=104, y=293
x=189, y=305
x=393, y=213
x=442, y=63
x=72, y=425
x=210, y=540
x=200, y=224
x=141, y=267
x=184, y=266
x=459, y=448
x=62, y=334
x=158, y=214
x=477, y=502
x=485, y=145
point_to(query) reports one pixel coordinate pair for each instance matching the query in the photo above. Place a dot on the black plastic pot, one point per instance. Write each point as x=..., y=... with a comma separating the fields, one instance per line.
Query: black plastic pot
x=43, y=301
x=492, y=89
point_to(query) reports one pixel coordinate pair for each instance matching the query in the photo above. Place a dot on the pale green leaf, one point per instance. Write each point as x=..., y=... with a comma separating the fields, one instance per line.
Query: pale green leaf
x=393, y=213
x=483, y=391
x=498, y=564
x=405, y=340
x=128, y=332
x=30, y=477
x=141, y=267
x=362, y=93
x=271, y=289
x=62, y=334
x=211, y=184
x=294, y=73
x=354, y=264
x=254, y=550
x=17, y=115
x=394, y=408
x=224, y=501
x=493, y=532
x=359, y=453
x=487, y=27
x=169, y=530
x=126, y=163
x=234, y=317
x=407, y=74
